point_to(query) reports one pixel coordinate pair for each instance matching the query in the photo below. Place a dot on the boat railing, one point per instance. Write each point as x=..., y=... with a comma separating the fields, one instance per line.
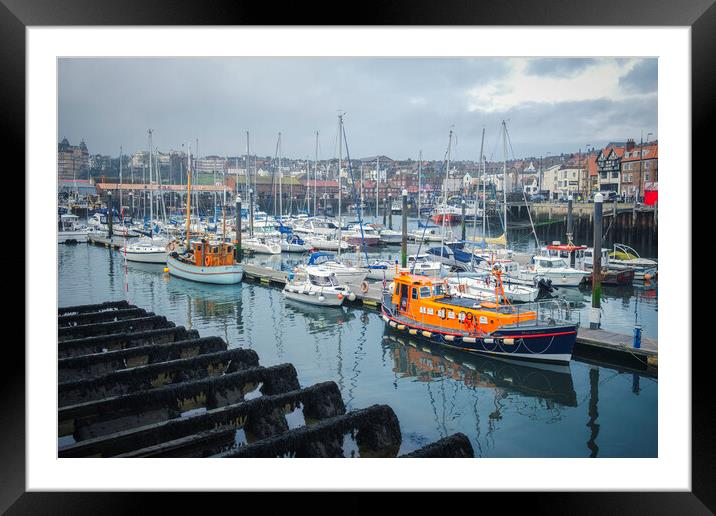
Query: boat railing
x=550, y=312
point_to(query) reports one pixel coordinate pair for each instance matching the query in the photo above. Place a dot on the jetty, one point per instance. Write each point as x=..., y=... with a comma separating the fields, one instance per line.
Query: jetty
x=133, y=384
x=598, y=345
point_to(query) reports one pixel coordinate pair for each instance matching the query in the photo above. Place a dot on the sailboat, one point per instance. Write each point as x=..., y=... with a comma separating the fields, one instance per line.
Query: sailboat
x=148, y=249
x=203, y=261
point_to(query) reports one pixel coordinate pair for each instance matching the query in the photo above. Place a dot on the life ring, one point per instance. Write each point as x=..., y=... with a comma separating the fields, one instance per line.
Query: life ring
x=469, y=316
x=207, y=260
x=171, y=246
x=364, y=287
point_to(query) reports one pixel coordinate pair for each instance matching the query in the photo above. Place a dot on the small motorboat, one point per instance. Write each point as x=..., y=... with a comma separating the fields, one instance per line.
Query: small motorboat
x=146, y=250
x=318, y=286
x=382, y=269
x=345, y=273
x=261, y=245
x=70, y=231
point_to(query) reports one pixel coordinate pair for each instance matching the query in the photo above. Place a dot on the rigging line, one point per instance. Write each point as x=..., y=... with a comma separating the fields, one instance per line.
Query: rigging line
x=359, y=212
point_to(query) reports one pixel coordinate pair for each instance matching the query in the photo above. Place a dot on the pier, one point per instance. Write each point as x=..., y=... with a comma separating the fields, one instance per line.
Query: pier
x=133, y=384
x=604, y=346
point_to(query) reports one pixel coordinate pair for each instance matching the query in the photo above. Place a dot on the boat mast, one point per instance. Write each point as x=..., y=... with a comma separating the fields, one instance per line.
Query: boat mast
x=188, y=196
x=340, y=152
x=377, y=184
x=484, y=184
x=504, y=178
x=280, y=182
x=120, y=184
x=474, y=225
x=447, y=176
x=315, y=177
x=151, y=190
x=420, y=169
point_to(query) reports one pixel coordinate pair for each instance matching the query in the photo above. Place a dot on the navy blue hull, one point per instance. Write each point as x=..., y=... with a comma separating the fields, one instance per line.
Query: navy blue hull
x=554, y=343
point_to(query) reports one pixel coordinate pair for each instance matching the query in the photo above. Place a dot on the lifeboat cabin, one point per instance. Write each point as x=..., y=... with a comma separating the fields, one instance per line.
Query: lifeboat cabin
x=421, y=306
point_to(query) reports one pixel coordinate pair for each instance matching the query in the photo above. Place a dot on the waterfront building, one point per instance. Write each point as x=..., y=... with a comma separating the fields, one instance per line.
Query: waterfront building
x=72, y=160
x=639, y=167
x=609, y=167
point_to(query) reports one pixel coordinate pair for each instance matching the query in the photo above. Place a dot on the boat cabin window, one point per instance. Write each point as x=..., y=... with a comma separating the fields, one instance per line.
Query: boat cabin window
x=215, y=249
x=424, y=292
x=414, y=293
x=322, y=281
x=438, y=290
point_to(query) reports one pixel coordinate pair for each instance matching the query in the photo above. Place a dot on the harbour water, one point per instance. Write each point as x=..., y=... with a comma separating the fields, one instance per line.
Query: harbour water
x=506, y=408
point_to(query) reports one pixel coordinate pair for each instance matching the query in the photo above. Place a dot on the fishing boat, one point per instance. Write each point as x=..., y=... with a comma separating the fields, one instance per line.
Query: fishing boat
x=318, y=286
x=423, y=307
x=447, y=214
x=558, y=271
x=70, y=231
x=203, y=261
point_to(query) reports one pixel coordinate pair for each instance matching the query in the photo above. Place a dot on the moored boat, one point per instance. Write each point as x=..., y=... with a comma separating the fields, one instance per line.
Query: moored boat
x=421, y=306
x=318, y=286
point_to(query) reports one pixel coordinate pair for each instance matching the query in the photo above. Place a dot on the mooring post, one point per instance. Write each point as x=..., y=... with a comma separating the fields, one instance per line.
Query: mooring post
x=462, y=207
x=238, y=252
x=570, y=228
x=390, y=211
x=385, y=210
x=251, y=212
x=109, y=216
x=595, y=314
x=404, y=242
x=637, y=336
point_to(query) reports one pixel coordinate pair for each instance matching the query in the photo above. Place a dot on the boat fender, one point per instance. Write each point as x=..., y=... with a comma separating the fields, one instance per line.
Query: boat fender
x=321, y=298
x=340, y=297
x=364, y=287
x=488, y=341
x=351, y=296
x=393, y=324
x=509, y=342
x=385, y=318
x=427, y=334
x=469, y=340
x=449, y=338
x=413, y=332
x=401, y=326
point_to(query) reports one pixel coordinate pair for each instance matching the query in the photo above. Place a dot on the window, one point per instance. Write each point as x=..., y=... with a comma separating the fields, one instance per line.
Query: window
x=414, y=293
x=438, y=290
x=424, y=291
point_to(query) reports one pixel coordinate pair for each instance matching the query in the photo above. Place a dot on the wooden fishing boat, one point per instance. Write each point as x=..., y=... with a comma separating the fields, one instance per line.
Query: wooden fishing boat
x=204, y=261
x=422, y=306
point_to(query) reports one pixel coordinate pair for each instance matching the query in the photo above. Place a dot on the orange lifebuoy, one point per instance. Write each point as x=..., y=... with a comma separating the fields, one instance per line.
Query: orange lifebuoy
x=364, y=287
x=207, y=260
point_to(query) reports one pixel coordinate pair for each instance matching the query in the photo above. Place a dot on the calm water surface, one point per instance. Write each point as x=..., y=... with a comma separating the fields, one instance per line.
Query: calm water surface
x=507, y=409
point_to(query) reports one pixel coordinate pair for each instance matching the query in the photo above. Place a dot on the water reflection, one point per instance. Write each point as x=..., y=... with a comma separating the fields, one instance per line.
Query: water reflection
x=427, y=362
x=319, y=320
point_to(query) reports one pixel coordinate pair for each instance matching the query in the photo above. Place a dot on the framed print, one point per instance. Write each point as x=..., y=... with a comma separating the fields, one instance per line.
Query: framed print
x=429, y=239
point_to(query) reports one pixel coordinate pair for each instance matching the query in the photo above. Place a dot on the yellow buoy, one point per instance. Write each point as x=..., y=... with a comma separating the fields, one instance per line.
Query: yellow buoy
x=166, y=269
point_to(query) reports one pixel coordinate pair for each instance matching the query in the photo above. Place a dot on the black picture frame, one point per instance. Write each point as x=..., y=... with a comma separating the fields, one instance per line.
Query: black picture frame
x=700, y=15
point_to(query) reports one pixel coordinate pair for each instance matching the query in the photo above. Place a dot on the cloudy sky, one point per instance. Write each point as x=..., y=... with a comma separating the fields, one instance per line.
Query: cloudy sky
x=393, y=106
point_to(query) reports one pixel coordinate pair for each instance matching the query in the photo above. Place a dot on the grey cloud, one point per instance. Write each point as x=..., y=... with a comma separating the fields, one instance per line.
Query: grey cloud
x=558, y=67
x=112, y=102
x=642, y=78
